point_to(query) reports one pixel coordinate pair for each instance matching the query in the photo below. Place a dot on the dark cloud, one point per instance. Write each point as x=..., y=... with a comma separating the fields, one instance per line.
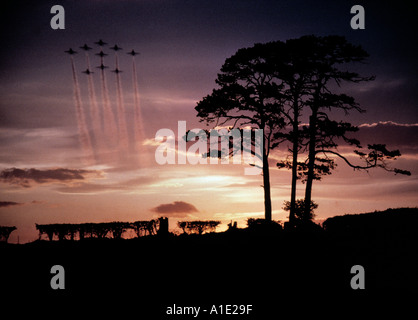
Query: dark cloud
x=395, y=135
x=26, y=177
x=179, y=209
x=5, y=204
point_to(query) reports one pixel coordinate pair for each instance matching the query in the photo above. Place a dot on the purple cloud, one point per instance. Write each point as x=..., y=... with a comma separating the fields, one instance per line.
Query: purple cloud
x=178, y=209
x=26, y=177
x=5, y=204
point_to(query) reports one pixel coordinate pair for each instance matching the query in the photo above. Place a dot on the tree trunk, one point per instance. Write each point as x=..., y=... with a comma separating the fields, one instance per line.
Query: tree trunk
x=311, y=163
x=266, y=174
x=266, y=185
x=294, y=179
x=294, y=162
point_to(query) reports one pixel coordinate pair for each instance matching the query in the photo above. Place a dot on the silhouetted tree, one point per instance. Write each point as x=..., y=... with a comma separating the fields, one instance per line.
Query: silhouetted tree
x=100, y=230
x=293, y=71
x=5, y=232
x=143, y=227
x=249, y=95
x=182, y=225
x=308, y=71
x=328, y=133
x=117, y=228
x=328, y=58
x=323, y=56
x=48, y=229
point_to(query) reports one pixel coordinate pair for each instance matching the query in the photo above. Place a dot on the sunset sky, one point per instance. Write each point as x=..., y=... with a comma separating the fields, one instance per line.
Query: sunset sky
x=46, y=177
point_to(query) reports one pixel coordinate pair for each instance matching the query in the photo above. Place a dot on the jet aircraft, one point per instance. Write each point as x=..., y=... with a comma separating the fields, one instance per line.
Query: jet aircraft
x=71, y=51
x=117, y=71
x=85, y=47
x=88, y=72
x=100, y=42
x=116, y=47
x=102, y=67
x=133, y=53
x=101, y=54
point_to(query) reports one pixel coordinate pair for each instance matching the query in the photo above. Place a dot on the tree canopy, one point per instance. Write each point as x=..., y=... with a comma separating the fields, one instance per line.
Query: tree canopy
x=271, y=86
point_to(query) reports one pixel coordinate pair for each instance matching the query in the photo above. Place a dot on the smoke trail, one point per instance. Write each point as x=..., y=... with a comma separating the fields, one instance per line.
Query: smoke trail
x=94, y=108
x=109, y=127
x=81, y=121
x=123, y=129
x=139, y=127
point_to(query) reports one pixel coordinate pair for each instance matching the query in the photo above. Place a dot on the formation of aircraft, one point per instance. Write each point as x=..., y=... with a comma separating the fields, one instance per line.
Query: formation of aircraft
x=101, y=54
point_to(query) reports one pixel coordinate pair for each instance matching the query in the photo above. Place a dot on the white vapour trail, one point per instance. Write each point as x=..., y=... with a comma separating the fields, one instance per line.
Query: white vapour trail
x=123, y=129
x=94, y=108
x=109, y=123
x=139, y=126
x=84, y=136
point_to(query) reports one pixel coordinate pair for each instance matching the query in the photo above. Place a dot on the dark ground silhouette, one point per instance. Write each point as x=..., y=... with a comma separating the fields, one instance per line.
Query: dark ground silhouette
x=272, y=269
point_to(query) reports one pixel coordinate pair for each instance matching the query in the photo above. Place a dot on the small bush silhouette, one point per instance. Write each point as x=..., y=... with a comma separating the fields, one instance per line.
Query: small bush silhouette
x=300, y=213
x=198, y=226
x=263, y=225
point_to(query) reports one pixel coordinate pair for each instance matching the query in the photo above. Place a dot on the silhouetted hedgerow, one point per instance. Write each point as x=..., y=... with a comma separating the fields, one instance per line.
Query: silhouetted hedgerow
x=101, y=230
